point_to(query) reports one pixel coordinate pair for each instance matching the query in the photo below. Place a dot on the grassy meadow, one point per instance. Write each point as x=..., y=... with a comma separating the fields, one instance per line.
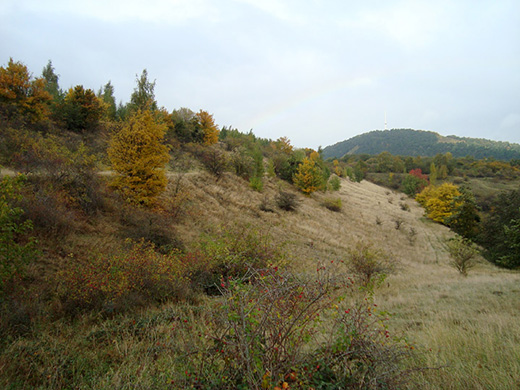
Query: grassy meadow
x=464, y=331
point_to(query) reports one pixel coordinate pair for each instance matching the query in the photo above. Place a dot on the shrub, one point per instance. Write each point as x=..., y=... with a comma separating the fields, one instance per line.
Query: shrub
x=264, y=205
x=334, y=183
x=276, y=330
x=412, y=236
x=404, y=206
x=151, y=227
x=369, y=263
x=333, y=204
x=463, y=254
x=242, y=163
x=256, y=183
x=287, y=201
x=16, y=249
x=231, y=253
x=118, y=281
x=213, y=159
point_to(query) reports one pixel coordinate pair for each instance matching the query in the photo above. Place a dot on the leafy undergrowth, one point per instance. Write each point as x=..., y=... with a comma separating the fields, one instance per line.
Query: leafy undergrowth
x=269, y=329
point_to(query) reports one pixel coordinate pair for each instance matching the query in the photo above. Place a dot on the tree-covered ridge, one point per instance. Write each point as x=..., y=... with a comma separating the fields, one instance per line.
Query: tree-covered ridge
x=408, y=142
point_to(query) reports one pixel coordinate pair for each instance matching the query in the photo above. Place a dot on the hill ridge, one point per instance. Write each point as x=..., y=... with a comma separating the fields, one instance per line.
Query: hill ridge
x=425, y=143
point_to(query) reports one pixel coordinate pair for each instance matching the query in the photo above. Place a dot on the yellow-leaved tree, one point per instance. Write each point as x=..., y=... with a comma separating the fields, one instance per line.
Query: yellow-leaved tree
x=210, y=129
x=138, y=156
x=439, y=201
x=309, y=177
x=21, y=96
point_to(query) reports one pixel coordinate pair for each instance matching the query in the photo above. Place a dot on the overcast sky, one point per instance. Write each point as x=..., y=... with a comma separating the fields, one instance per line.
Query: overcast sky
x=316, y=71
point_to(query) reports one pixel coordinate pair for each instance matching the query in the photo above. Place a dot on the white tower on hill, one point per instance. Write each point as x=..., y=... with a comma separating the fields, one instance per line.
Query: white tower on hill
x=385, y=121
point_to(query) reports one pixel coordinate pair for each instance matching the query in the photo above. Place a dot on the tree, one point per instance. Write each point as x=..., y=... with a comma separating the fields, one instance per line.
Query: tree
x=81, y=110
x=309, y=177
x=143, y=97
x=21, y=97
x=500, y=233
x=463, y=253
x=52, y=85
x=465, y=218
x=106, y=94
x=439, y=201
x=414, y=182
x=138, y=156
x=209, y=128
x=186, y=126
x=433, y=174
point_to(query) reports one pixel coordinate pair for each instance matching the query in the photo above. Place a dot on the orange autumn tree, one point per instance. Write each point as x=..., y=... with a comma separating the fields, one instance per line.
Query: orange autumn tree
x=210, y=129
x=21, y=96
x=309, y=177
x=138, y=156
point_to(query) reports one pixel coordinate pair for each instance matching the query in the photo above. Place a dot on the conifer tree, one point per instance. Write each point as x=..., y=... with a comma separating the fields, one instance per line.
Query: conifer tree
x=138, y=156
x=309, y=177
x=209, y=128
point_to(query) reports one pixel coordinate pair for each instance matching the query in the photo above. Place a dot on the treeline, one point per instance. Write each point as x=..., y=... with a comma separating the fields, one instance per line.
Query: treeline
x=442, y=185
x=408, y=142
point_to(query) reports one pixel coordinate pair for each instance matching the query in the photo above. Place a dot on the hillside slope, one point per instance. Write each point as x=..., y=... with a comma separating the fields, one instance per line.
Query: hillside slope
x=455, y=322
x=408, y=142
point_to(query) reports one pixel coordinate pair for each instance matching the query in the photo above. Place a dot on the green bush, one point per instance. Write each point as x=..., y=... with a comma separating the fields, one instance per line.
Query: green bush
x=463, y=254
x=231, y=253
x=334, y=183
x=333, y=204
x=369, y=264
x=16, y=248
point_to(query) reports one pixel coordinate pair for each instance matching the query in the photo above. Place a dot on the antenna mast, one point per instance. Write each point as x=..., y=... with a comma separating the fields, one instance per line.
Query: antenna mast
x=385, y=121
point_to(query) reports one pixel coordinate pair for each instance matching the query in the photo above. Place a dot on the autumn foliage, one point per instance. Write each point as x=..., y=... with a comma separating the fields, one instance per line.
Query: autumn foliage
x=439, y=201
x=309, y=177
x=209, y=128
x=21, y=96
x=138, y=156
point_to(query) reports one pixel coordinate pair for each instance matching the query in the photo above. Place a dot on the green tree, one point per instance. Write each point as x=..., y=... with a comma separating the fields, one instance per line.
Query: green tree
x=465, y=218
x=106, y=94
x=138, y=155
x=463, y=254
x=81, y=110
x=186, y=126
x=143, y=97
x=433, y=174
x=52, y=85
x=500, y=231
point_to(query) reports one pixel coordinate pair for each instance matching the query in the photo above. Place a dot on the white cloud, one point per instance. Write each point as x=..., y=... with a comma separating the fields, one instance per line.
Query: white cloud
x=156, y=11
x=276, y=8
x=412, y=24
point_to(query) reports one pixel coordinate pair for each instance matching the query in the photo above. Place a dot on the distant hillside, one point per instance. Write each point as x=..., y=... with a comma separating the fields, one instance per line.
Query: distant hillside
x=408, y=142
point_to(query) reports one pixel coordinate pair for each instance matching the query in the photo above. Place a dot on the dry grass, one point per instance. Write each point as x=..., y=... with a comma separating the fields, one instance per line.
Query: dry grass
x=471, y=325
x=469, y=328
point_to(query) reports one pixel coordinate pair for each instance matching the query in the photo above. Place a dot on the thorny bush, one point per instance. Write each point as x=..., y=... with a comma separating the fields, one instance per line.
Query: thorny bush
x=274, y=329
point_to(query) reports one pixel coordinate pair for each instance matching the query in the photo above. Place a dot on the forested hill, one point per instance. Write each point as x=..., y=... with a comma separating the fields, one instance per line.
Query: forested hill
x=408, y=142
